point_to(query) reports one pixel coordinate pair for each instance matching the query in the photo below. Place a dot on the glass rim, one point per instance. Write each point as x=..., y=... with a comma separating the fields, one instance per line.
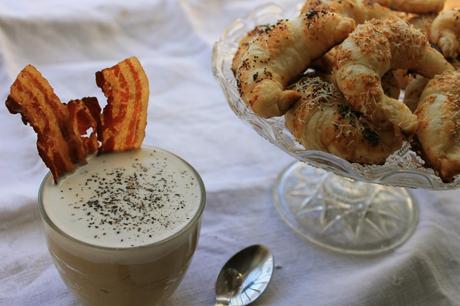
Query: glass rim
x=192, y=221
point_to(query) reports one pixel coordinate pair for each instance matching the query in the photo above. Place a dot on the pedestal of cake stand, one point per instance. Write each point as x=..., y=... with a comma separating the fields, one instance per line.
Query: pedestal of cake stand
x=344, y=215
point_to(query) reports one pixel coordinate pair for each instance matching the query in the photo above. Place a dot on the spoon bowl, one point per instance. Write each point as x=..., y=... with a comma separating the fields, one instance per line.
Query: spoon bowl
x=244, y=278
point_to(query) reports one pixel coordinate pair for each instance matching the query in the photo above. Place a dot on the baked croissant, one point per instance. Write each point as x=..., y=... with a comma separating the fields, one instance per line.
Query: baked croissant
x=416, y=87
x=445, y=32
x=270, y=57
x=391, y=81
x=402, y=76
x=372, y=50
x=423, y=23
x=358, y=10
x=414, y=6
x=322, y=120
x=439, y=133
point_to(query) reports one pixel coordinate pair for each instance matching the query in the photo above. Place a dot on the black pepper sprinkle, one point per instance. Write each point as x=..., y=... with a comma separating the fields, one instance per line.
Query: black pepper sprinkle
x=311, y=14
x=126, y=201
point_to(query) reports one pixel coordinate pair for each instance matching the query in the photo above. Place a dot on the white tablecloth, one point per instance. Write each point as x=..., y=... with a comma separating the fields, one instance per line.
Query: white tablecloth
x=69, y=41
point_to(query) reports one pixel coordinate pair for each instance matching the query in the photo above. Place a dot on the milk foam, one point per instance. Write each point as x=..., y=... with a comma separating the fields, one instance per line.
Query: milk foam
x=124, y=199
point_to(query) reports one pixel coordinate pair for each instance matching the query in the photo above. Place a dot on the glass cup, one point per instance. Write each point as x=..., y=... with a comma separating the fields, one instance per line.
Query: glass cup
x=141, y=275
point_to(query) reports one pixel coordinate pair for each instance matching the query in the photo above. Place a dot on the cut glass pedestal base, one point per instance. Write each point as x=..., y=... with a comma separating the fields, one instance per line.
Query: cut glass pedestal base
x=344, y=215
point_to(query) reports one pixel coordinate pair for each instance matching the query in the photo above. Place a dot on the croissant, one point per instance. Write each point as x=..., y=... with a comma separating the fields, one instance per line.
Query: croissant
x=270, y=57
x=322, y=120
x=358, y=10
x=391, y=81
x=403, y=77
x=371, y=51
x=445, y=32
x=439, y=132
x=414, y=6
x=423, y=23
x=416, y=87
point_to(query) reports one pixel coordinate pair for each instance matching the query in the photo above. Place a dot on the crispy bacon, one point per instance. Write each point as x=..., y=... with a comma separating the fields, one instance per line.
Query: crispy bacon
x=85, y=114
x=68, y=133
x=125, y=117
x=32, y=96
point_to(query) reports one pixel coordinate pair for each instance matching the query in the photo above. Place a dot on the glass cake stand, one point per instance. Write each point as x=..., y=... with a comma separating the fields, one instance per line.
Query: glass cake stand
x=344, y=207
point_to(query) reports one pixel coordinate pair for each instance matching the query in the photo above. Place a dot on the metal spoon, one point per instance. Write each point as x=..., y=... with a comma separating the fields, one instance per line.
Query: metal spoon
x=244, y=277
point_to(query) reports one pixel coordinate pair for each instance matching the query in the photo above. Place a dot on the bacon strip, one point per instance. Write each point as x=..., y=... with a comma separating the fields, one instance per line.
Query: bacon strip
x=85, y=114
x=125, y=117
x=68, y=133
x=32, y=96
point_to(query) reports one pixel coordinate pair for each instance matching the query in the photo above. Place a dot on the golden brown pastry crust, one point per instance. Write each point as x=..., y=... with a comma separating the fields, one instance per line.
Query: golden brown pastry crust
x=416, y=87
x=358, y=10
x=372, y=50
x=422, y=22
x=445, y=32
x=439, y=132
x=414, y=6
x=391, y=81
x=322, y=120
x=270, y=57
